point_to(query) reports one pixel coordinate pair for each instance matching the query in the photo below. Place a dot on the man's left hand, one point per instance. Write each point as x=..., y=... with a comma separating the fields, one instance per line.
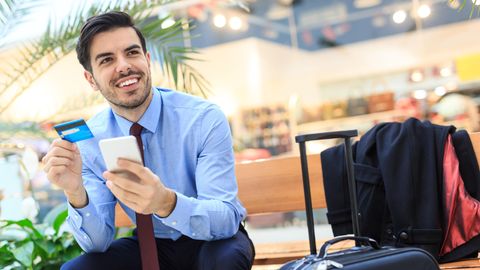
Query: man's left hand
x=140, y=189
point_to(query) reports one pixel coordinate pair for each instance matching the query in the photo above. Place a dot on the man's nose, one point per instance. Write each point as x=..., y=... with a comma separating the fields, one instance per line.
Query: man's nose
x=123, y=65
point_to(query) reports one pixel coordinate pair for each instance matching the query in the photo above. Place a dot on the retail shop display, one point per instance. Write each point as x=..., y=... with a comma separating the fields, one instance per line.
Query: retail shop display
x=268, y=127
x=381, y=102
x=334, y=109
x=357, y=106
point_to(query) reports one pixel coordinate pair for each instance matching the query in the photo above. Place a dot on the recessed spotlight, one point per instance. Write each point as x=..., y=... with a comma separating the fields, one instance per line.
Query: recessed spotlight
x=219, y=21
x=446, y=71
x=235, y=23
x=399, y=16
x=424, y=11
x=420, y=94
x=416, y=76
x=440, y=90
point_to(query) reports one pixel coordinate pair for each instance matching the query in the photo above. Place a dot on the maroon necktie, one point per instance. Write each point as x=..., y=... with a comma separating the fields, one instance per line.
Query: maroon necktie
x=148, y=247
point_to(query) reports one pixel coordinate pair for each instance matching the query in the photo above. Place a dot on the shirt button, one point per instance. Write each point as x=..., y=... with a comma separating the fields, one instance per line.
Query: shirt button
x=172, y=231
x=85, y=237
x=194, y=234
x=87, y=214
x=174, y=223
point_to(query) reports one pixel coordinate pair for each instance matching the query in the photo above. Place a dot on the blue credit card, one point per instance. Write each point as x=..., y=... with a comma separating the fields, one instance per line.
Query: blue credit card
x=74, y=131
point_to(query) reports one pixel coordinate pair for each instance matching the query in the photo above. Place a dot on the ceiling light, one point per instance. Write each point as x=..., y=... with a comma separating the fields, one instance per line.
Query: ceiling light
x=446, y=71
x=167, y=23
x=424, y=11
x=420, y=94
x=235, y=23
x=399, y=16
x=416, y=76
x=219, y=21
x=440, y=90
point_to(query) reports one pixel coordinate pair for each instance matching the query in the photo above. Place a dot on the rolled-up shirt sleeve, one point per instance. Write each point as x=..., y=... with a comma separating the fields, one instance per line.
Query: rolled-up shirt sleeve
x=93, y=225
x=215, y=213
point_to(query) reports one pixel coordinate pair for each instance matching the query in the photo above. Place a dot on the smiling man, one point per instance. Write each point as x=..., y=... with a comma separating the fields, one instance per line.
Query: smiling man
x=184, y=198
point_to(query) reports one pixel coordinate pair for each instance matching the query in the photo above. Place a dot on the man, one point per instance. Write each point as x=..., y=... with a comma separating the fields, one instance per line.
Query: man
x=187, y=184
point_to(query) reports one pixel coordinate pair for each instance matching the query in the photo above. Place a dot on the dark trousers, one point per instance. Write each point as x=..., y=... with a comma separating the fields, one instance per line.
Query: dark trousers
x=185, y=253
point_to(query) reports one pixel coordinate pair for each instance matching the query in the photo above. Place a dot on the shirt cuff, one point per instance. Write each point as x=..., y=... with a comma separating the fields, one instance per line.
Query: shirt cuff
x=76, y=215
x=180, y=216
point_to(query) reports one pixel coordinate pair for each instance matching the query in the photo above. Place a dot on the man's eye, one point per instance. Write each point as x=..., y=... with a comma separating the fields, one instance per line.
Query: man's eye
x=105, y=60
x=133, y=52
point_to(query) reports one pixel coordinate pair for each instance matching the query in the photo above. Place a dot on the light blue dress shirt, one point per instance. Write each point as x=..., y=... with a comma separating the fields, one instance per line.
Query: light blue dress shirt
x=187, y=144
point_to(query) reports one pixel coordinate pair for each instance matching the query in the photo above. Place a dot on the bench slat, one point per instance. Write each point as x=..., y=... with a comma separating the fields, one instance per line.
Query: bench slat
x=276, y=185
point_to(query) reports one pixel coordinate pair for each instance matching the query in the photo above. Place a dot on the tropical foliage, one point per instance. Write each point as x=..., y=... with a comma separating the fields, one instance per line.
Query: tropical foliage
x=34, y=58
x=475, y=6
x=42, y=246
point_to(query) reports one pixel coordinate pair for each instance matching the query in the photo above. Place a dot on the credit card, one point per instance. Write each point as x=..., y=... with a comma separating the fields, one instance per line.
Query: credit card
x=74, y=131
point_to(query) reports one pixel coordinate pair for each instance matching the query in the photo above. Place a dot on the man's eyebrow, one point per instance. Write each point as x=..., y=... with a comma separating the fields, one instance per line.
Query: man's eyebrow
x=101, y=55
x=129, y=48
x=134, y=46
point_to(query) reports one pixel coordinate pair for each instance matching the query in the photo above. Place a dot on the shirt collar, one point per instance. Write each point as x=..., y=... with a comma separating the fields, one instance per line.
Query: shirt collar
x=149, y=119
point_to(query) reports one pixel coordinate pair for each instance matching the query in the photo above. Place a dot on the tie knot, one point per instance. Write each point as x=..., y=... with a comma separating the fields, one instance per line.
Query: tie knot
x=136, y=129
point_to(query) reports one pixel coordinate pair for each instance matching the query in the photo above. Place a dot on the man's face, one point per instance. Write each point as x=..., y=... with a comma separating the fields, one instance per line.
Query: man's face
x=120, y=69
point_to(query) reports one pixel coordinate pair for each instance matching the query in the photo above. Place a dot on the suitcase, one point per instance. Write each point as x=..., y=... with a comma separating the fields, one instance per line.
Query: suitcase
x=367, y=253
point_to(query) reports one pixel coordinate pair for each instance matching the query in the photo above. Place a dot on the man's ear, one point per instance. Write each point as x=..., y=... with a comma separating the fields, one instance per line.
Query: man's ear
x=147, y=55
x=90, y=79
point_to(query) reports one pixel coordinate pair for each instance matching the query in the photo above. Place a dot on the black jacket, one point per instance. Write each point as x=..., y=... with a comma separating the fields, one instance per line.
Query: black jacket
x=399, y=175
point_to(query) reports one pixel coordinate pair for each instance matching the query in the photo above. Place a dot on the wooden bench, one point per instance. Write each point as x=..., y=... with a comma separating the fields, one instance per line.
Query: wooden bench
x=275, y=185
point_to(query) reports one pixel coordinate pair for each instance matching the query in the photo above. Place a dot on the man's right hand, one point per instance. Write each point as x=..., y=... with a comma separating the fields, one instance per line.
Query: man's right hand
x=63, y=166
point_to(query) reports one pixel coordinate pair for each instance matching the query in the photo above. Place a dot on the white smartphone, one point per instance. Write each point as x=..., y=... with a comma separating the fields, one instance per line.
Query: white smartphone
x=120, y=147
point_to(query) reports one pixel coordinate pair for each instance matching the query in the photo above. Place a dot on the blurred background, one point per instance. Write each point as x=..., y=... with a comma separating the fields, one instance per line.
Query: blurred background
x=276, y=67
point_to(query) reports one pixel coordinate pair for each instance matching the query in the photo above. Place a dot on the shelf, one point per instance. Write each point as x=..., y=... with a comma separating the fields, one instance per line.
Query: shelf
x=360, y=122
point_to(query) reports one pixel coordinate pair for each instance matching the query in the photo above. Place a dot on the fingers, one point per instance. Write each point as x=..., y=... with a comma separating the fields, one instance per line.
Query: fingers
x=120, y=193
x=124, y=182
x=143, y=173
x=57, y=161
x=61, y=148
x=64, y=144
x=126, y=196
x=54, y=173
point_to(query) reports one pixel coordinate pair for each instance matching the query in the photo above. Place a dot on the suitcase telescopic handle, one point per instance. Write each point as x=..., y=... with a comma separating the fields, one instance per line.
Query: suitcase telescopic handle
x=301, y=140
x=366, y=241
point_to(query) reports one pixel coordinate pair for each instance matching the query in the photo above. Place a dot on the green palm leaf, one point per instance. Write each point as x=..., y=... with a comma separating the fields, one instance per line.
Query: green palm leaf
x=472, y=2
x=13, y=12
x=35, y=58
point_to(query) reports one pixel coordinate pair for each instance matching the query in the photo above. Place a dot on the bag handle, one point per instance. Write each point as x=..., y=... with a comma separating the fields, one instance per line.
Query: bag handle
x=301, y=140
x=358, y=239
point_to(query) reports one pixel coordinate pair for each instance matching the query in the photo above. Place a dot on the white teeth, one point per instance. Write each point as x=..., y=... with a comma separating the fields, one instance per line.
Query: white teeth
x=128, y=82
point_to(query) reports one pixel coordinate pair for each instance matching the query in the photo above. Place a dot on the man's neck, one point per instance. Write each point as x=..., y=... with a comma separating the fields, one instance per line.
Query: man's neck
x=133, y=115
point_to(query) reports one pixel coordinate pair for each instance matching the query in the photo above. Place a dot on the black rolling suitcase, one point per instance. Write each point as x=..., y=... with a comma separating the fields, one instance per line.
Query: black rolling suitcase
x=366, y=254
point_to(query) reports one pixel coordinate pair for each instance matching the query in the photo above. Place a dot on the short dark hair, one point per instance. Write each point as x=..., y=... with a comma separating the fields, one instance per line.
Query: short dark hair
x=98, y=24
